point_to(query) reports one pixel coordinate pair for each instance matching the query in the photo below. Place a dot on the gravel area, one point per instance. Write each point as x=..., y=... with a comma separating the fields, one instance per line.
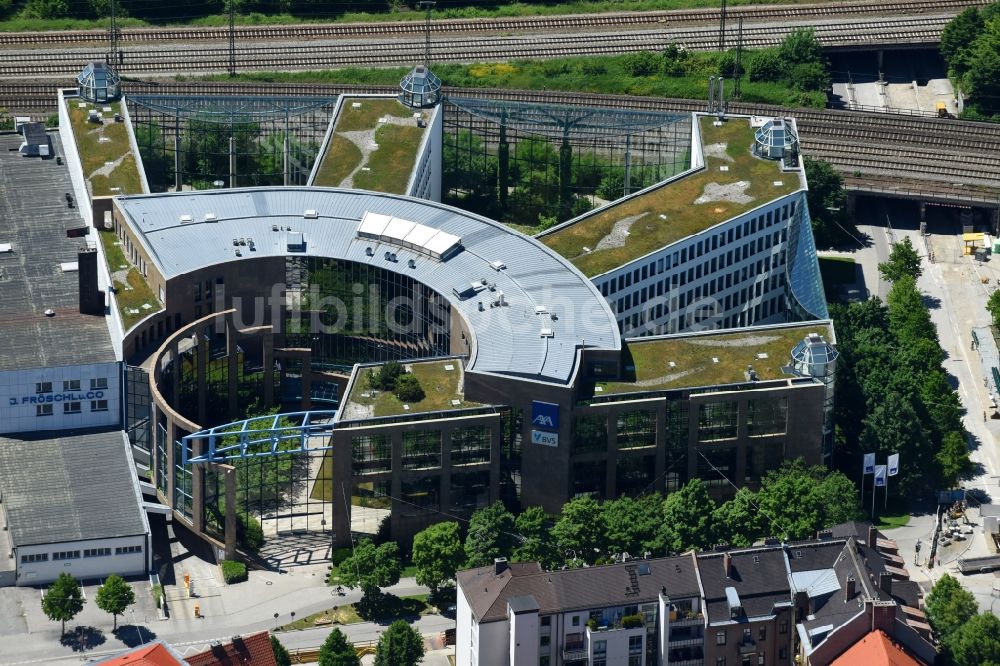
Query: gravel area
x=619, y=233
x=718, y=151
x=751, y=341
x=734, y=192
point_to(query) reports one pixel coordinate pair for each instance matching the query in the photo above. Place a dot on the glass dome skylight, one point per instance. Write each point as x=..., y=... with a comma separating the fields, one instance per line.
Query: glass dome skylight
x=420, y=88
x=99, y=83
x=775, y=139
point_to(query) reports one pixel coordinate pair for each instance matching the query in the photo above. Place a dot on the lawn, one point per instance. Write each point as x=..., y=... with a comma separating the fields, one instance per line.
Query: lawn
x=345, y=614
x=891, y=521
x=694, y=364
x=95, y=154
x=669, y=213
x=139, y=292
x=342, y=157
x=391, y=165
x=440, y=388
x=366, y=117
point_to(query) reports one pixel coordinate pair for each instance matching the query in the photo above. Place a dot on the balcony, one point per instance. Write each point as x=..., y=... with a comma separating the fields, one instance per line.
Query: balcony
x=575, y=652
x=686, y=642
x=688, y=662
x=686, y=619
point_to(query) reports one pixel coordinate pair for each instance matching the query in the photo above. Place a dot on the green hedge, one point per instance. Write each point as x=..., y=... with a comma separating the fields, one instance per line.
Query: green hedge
x=233, y=572
x=633, y=621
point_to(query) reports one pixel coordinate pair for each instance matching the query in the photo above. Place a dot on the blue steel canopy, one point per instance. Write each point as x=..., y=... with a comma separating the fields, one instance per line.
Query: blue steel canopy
x=260, y=437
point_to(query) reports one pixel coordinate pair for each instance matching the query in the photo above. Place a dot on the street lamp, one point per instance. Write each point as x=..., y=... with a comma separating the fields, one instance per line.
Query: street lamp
x=275, y=621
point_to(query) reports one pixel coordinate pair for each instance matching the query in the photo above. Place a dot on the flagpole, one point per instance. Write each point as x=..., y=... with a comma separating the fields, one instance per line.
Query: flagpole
x=886, y=505
x=873, y=494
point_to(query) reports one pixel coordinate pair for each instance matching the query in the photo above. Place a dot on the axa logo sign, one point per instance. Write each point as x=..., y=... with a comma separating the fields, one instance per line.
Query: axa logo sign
x=544, y=415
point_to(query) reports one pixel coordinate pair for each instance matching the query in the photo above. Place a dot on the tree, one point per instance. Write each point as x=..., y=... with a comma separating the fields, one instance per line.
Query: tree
x=633, y=525
x=115, y=596
x=63, y=600
x=737, y=521
x=535, y=543
x=688, y=518
x=903, y=261
x=408, y=389
x=490, y=535
x=765, y=65
x=827, y=201
x=993, y=307
x=399, y=645
x=437, y=554
x=958, y=37
x=976, y=642
x=801, y=46
x=953, y=458
x=796, y=500
x=337, y=651
x=371, y=567
x=949, y=606
x=281, y=656
x=580, y=530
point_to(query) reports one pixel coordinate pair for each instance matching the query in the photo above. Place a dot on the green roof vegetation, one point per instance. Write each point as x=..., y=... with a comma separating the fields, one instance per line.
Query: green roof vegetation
x=350, y=161
x=104, y=149
x=131, y=290
x=441, y=387
x=693, y=356
x=626, y=231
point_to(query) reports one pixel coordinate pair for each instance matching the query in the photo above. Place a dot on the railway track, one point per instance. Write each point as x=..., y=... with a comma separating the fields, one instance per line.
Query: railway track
x=891, y=153
x=312, y=55
x=759, y=14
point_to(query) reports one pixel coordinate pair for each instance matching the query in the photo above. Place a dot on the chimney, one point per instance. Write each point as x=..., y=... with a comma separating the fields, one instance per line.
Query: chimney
x=872, y=536
x=727, y=564
x=91, y=298
x=883, y=615
x=499, y=565
x=851, y=587
x=885, y=582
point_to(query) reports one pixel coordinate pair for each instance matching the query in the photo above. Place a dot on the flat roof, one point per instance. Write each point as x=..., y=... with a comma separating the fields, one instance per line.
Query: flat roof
x=69, y=486
x=711, y=358
x=505, y=339
x=32, y=279
x=442, y=382
x=732, y=182
x=373, y=144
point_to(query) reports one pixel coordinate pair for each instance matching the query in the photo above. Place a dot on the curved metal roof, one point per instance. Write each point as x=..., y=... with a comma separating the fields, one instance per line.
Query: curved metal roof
x=188, y=231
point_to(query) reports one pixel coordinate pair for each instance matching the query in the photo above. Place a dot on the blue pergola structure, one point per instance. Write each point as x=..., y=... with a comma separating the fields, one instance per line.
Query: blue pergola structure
x=254, y=441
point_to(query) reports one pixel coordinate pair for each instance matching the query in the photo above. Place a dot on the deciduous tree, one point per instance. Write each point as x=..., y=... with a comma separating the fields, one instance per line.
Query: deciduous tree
x=437, y=554
x=337, y=651
x=115, y=596
x=903, y=261
x=399, y=645
x=581, y=529
x=535, y=542
x=688, y=518
x=281, y=656
x=371, y=567
x=63, y=600
x=976, y=642
x=949, y=606
x=491, y=535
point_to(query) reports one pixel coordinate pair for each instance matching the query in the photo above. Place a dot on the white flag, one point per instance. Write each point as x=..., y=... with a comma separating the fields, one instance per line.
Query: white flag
x=880, y=475
x=869, y=466
x=893, y=464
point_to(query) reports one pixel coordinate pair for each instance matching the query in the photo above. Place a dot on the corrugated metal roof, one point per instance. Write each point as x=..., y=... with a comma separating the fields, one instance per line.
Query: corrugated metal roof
x=506, y=338
x=69, y=486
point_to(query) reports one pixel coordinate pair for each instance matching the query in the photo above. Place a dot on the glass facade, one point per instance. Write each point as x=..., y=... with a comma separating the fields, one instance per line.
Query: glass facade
x=470, y=445
x=636, y=429
x=767, y=416
x=371, y=453
x=717, y=420
x=421, y=449
x=98, y=83
x=715, y=466
x=806, y=297
x=634, y=475
x=591, y=433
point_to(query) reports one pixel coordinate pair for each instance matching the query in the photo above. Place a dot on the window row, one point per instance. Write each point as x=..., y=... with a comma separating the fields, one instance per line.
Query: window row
x=708, y=313
x=96, y=384
x=421, y=449
x=709, y=245
x=73, y=407
x=62, y=555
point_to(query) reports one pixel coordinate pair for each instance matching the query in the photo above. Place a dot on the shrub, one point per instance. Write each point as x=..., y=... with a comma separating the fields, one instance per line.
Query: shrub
x=764, y=65
x=727, y=65
x=633, y=621
x=249, y=532
x=408, y=389
x=592, y=624
x=157, y=594
x=641, y=63
x=233, y=572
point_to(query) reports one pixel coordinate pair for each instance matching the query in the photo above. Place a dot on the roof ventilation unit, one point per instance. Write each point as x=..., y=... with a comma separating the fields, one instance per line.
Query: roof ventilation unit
x=311, y=214
x=411, y=263
x=185, y=219
x=211, y=217
x=369, y=252
x=547, y=333
x=498, y=265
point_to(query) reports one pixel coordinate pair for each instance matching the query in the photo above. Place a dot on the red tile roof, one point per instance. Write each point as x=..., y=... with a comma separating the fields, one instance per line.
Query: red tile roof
x=252, y=650
x=152, y=654
x=875, y=649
